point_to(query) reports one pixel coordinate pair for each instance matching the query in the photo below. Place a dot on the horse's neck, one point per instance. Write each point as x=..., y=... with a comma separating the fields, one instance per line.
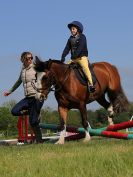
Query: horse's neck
x=59, y=70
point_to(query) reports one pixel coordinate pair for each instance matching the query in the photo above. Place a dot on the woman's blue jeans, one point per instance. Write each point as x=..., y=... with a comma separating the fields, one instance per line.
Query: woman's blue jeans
x=32, y=105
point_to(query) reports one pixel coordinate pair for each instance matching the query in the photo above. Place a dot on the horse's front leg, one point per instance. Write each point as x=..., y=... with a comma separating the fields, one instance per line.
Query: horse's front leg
x=85, y=123
x=63, y=117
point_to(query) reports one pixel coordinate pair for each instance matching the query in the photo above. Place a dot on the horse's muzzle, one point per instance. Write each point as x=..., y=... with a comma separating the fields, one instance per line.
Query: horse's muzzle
x=40, y=96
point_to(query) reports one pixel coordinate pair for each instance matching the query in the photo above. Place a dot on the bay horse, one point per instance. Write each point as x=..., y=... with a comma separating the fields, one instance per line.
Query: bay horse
x=70, y=93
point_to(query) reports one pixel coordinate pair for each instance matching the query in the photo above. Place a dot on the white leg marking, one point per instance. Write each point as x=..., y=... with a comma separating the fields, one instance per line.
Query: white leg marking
x=62, y=137
x=110, y=121
x=87, y=137
x=111, y=113
x=110, y=110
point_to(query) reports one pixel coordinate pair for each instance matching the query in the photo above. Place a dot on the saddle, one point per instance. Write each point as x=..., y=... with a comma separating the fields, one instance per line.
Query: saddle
x=80, y=74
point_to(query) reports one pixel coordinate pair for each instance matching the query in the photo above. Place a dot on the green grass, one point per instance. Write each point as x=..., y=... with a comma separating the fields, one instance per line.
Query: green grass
x=98, y=158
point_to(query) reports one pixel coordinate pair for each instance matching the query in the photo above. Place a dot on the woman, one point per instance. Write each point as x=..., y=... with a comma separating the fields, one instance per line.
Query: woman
x=30, y=103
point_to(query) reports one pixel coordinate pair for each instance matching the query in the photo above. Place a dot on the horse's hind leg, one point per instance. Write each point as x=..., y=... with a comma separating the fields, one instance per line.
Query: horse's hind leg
x=63, y=116
x=85, y=123
x=108, y=106
x=110, y=114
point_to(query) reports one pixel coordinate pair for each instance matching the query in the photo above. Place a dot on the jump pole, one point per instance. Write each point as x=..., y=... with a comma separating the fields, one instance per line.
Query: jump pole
x=106, y=132
x=120, y=126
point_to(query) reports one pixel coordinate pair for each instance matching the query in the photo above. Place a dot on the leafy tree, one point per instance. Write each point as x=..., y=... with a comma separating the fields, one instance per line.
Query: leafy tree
x=92, y=118
x=8, y=123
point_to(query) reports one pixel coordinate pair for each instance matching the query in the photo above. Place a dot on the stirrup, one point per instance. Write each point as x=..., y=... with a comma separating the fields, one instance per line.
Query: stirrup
x=91, y=88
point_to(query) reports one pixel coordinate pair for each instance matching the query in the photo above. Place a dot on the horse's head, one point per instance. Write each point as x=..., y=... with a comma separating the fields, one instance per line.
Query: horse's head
x=44, y=79
x=44, y=84
x=50, y=76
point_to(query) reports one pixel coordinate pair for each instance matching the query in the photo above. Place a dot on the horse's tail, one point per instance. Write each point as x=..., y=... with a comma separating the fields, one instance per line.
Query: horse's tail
x=117, y=96
x=119, y=101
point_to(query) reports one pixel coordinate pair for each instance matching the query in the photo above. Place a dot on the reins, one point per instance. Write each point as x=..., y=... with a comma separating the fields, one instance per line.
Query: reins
x=52, y=88
x=63, y=81
x=36, y=89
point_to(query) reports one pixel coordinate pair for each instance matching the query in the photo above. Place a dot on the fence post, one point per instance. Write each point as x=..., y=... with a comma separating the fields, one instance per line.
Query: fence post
x=25, y=132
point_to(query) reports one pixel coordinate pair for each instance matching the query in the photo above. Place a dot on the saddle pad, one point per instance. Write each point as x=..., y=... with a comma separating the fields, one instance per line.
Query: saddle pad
x=80, y=74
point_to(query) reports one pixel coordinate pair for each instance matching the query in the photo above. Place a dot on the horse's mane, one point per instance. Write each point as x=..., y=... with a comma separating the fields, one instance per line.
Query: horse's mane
x=56, y=61
x=40, y=65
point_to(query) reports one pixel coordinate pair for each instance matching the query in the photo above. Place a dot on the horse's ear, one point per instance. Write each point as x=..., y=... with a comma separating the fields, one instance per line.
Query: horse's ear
x=38, y=64
x=36, y=57
x=49, y=62
x=37, y=60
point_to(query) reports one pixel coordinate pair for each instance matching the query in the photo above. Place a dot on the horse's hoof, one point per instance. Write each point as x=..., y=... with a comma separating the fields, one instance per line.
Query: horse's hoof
x=59, y=142
x=86, y=140
x=20, y=143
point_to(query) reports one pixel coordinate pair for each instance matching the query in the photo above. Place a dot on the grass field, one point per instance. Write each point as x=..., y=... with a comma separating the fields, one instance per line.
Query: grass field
x=99, y=158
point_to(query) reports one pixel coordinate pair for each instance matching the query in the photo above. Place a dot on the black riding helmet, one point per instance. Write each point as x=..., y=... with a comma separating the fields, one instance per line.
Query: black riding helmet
x=76, y=24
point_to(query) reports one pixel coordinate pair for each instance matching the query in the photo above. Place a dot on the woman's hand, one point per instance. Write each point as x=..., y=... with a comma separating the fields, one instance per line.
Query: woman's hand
x=6, y=93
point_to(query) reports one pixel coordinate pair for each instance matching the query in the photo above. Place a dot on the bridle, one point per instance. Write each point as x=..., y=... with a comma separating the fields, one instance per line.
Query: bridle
x=53, y=84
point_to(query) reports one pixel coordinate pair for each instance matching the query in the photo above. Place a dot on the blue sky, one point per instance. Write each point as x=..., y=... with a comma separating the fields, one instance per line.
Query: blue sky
x=40, y=26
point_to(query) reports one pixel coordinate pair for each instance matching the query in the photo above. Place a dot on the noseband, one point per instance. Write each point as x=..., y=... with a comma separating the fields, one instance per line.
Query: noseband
x=53, y=84
x=40, y=90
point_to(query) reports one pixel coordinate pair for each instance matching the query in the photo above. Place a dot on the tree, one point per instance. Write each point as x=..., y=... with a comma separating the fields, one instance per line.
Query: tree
x=8, y=123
